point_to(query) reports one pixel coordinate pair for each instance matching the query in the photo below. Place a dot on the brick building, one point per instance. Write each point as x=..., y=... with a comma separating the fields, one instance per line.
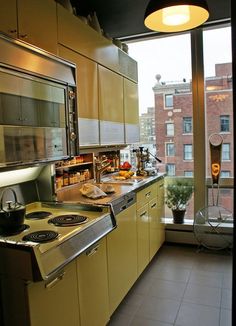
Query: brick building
x=174, y=125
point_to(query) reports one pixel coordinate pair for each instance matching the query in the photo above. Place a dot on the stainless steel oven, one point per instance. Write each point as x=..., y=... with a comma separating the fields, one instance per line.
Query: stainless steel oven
x=38, y=114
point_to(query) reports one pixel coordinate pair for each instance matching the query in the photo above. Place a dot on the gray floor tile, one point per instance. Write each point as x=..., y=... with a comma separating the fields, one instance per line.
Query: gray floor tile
x=140, y=321
x=227, y=280
x=204, y=295
x=206, y=278
x=226, y=299
x=164, y=310
x=119, y=319
x=225, y=317
x=167, y=289
x=172, y=273
x=197, y=315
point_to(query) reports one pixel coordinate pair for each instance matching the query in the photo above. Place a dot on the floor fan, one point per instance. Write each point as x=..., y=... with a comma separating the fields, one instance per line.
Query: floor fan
x=211, y=222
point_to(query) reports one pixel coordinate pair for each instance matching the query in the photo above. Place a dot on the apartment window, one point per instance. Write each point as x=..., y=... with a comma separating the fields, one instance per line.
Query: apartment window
x=225, y=174
x=187, y=125
x=224, y=123
x=170, y=169
x=188, y=173
x=170, y=129
x=188, y=154
x=168, y=100
x=170, y=149
x=225, y=152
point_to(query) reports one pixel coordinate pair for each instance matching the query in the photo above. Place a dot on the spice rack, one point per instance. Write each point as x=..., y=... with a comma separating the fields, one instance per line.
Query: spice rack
x=74, y=170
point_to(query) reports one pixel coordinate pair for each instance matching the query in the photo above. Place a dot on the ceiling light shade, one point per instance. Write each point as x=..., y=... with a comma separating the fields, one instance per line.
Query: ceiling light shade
x=175, y=15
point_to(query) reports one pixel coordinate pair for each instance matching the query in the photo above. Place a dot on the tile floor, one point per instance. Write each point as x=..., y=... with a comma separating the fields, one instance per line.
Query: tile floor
x=181, y=287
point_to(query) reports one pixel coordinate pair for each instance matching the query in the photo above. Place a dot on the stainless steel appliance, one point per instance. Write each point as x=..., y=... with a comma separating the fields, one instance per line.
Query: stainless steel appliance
x=52, y=235
x=38, y=114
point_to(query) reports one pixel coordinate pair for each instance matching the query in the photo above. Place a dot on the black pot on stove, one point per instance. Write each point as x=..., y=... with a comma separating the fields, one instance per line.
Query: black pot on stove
x=12, y=213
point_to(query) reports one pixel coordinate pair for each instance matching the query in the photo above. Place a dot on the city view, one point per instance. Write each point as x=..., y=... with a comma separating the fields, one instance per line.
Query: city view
x=166, y=123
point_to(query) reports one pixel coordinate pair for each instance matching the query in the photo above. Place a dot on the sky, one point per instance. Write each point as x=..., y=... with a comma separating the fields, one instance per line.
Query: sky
x=171, y=58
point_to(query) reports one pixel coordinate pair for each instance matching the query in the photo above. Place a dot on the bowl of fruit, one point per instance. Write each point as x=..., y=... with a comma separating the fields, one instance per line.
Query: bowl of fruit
x=126, y=166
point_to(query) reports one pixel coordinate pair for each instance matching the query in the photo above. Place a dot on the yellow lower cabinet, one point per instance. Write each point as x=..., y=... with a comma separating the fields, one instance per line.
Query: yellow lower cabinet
x=143, y=237
x=93, y=286
x=153, y=227
x=122, y=256
x=55, y=302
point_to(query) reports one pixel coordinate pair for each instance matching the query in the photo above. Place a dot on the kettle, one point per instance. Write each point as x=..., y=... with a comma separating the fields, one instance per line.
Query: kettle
x=12, y=214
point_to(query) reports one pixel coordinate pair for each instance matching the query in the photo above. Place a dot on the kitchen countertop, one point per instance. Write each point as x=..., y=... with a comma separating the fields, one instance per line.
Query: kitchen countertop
x=73, y=194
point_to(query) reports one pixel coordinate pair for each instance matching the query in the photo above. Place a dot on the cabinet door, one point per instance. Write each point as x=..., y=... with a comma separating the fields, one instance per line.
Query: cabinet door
x=111, y=113
x=143, y=238
x=131, y=112
x=82, y=38
x=145, y=195
x=153, y=227
x=122, y=256
x=87, y=95
x=37, y=23
x=8, y=17
x=93, y=285
x=55, y=302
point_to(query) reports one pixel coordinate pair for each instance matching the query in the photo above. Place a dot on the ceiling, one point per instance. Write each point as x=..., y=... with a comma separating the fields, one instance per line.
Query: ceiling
x=123, y=19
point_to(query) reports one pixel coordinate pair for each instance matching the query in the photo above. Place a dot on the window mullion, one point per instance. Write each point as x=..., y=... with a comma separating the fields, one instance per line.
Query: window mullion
x=198, y=94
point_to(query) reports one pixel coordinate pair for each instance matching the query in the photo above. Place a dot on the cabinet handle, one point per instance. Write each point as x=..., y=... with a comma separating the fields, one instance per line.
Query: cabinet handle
x=153, y=205
x=23, y=35
x=143, y=214
x=148, y=194
x=55, y=281
x=92, y=251
x=12, y=31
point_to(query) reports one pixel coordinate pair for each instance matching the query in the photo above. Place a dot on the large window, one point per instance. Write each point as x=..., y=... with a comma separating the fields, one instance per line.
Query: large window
x=167, y=84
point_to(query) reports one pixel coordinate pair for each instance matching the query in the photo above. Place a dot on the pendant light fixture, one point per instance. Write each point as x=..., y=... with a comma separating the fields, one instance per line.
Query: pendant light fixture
x=175, y=15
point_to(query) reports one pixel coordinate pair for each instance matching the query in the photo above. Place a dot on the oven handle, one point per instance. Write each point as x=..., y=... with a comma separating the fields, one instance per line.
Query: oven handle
x=55, y=281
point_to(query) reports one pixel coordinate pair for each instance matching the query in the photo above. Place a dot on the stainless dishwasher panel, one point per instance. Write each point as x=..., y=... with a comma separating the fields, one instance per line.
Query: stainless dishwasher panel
x=124, y=202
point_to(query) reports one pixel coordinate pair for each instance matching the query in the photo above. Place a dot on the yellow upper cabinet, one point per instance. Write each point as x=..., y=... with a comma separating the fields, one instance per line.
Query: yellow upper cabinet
x=111, y=106
x=8, y=17
x=76, y=35
x=131, y=112
x=32, y=21
x=87, y=96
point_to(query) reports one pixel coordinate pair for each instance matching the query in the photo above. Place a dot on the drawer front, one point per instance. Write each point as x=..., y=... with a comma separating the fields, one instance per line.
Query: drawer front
x=147, y=194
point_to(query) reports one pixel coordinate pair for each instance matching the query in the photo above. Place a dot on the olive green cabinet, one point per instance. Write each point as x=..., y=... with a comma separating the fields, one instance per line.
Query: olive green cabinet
x=55, y=302
x=87, y=96
x=32, y=21
x=122, y=256
x=93, y=285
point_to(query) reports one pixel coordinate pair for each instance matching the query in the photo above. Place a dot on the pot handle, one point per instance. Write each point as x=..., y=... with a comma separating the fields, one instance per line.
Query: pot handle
x=4, y=191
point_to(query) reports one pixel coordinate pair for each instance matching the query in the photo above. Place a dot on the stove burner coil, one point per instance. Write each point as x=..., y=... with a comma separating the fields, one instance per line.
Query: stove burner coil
x=68, y=220
x=37, y=215
x=41, y=236
x=13, y=231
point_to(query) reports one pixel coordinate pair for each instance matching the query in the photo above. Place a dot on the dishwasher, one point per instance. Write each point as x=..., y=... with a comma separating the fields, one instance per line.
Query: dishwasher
x=122, y=250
